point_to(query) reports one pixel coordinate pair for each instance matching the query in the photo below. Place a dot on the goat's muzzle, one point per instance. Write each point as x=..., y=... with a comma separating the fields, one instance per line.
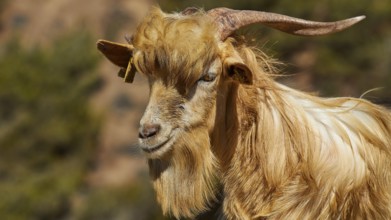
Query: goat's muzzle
x=148, y=130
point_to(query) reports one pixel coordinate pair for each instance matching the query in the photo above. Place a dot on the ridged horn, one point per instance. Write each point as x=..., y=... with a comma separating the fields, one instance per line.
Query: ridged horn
x=230, y=20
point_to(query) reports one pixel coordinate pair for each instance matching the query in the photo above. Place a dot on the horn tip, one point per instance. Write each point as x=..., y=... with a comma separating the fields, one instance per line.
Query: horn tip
x=357, y=19
x=350, y=22
x=101, y=45
x=360, y=18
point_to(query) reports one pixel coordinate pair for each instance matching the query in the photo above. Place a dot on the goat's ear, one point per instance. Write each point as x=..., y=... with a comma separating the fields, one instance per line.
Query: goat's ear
x=238, y=71
x=120, y=55
x=117, y=53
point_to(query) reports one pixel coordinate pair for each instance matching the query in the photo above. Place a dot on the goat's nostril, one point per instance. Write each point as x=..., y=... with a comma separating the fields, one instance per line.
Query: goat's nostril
x=148, y=130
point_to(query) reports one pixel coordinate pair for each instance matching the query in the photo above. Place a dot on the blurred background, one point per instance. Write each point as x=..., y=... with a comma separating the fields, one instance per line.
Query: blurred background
x=68, y=124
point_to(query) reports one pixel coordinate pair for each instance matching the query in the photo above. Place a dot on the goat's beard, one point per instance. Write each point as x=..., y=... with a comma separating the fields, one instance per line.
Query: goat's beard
x=185, y=179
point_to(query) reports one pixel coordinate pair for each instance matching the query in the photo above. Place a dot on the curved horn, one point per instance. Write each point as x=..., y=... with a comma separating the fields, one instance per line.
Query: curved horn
x=230, y=20
x=189, y=11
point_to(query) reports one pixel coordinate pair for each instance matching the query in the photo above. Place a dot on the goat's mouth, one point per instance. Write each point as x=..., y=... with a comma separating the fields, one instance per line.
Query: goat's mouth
x=157, y=150
x=154, y=148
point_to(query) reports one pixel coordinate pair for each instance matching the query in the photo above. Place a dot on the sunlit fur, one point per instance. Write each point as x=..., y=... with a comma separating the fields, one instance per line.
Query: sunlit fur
x=276, y=153
x=298, y=156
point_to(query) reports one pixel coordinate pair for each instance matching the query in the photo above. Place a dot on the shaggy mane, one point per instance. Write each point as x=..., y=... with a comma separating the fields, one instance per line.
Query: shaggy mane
x=309, y=157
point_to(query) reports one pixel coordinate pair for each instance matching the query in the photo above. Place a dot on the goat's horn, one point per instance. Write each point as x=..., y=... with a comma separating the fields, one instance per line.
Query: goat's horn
x=189, y=10
x=230, y=20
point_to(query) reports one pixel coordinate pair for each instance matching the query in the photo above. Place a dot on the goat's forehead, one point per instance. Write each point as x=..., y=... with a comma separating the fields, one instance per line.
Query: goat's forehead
x=175, y=31
x=179, y=46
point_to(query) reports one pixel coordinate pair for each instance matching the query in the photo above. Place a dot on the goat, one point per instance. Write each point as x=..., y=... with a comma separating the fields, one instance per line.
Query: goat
x=219, y=131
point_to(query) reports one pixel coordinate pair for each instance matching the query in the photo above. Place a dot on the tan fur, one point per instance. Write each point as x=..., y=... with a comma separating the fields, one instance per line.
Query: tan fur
x=276, y=153
x=185, y=178
x=305, y=157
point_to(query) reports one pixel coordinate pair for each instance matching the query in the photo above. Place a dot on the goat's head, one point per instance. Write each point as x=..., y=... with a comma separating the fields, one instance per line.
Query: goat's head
x=189, y=60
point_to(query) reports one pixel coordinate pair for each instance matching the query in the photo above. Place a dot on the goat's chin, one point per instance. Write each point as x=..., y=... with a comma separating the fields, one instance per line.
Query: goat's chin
x=159, y=150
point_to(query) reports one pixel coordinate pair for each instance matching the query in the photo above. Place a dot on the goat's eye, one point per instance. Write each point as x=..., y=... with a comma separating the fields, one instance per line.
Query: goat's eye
x=209, y=77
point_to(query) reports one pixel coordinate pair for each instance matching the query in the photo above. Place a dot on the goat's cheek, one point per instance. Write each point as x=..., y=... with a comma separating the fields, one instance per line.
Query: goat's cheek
x=198, y=111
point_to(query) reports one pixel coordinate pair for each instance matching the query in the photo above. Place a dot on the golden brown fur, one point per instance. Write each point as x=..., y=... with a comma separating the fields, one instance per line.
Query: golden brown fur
x=305, y=157
x=184, y=179
x=276, y=153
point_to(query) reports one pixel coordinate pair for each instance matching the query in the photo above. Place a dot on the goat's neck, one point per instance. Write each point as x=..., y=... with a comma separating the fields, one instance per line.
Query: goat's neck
x=242, y=113
x=224, y=134
x=255, y=144
x=261, y=121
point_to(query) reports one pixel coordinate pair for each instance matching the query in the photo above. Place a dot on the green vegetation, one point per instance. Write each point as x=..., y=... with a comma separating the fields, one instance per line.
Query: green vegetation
x=135, y=201
x=47, y=135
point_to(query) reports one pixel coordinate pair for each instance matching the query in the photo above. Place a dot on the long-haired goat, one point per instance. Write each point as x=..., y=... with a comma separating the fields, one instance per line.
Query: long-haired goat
x=218, y=131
